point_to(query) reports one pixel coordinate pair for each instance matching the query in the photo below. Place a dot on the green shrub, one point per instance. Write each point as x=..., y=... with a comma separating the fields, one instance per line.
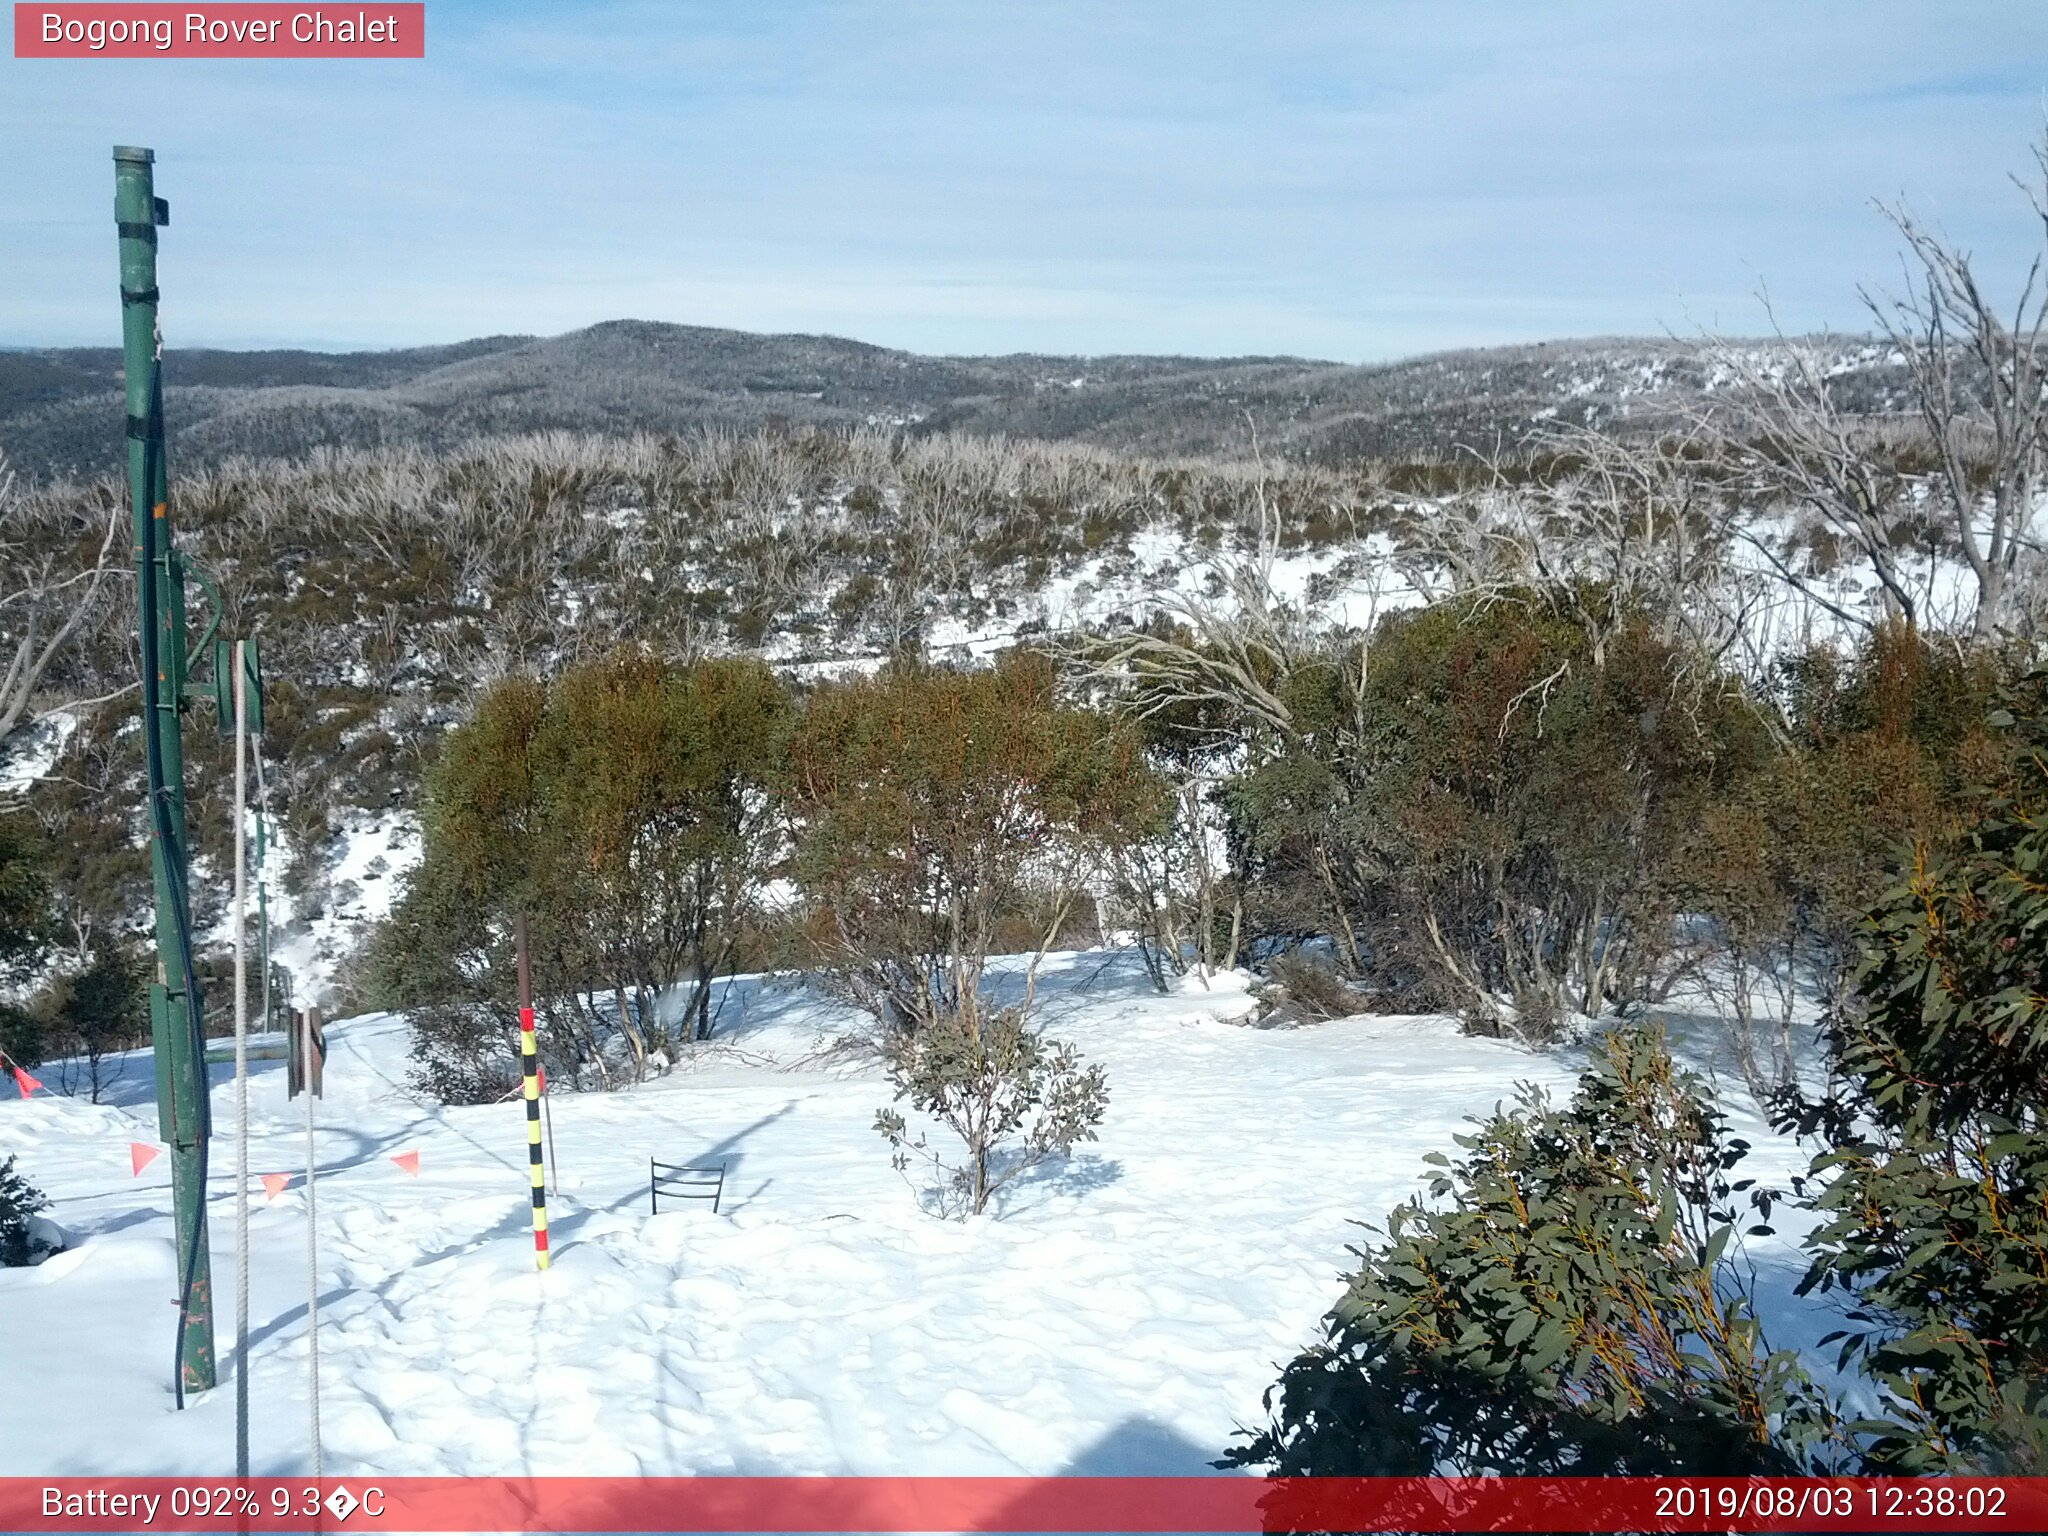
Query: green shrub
x=1570, y=1309
x=24, y=897
x=104, y=1010
x=1488, y=810
x=1934, y=1180
x=19, y=1200
x=23, y=1037
x=631, y=809
x=1012, y=1097
x=936, y=809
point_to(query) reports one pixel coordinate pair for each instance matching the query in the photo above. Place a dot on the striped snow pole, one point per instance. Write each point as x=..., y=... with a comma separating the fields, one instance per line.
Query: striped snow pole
x=529, y=1059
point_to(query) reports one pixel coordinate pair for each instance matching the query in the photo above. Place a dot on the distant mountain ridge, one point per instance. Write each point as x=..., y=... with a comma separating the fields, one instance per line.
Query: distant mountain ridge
x=61, y=409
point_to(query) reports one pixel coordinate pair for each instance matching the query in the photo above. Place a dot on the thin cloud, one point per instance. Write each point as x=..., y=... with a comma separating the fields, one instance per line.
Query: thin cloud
x=1322, y=179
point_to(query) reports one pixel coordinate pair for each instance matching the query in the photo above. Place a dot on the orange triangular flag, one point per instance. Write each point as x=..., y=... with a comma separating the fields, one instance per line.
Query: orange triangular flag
x=409, y=1161
x=540, y=1076
x=142, y=1154
x=274, y=1183
x=25, y=1083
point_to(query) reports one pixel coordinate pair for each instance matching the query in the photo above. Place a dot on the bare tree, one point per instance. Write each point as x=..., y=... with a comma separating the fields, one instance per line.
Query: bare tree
x=1978, y=380
x=45, y=597
x=1228, y=656
x=1612, y=526
x=1230, y=649
x=1788, y=440
x=1975, y=376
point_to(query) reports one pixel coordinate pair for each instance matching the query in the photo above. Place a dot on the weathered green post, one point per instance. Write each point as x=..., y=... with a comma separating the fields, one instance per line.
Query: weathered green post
x=175, y=1006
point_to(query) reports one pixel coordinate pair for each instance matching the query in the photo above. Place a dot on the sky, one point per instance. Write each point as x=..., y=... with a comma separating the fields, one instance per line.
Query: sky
x=1354, y=180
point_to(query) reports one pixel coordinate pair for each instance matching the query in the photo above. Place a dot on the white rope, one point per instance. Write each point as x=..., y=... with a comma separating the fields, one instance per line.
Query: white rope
x=241, y=1068
x=305, y=1028
x=312, y=1245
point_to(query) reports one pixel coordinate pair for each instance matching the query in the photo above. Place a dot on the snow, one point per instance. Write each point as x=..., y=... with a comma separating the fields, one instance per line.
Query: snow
x=358, y=884
x=41, y=746
x=1122, y=1312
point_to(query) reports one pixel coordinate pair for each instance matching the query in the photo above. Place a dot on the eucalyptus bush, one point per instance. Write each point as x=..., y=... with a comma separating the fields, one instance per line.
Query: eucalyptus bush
x=1570, y=1307
x=1012, y=1097
x=1934, y=1179
x=631, y=808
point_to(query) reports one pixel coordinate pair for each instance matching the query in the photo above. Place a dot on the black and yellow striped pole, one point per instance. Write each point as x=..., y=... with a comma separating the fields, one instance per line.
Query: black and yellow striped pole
x=529, y=1059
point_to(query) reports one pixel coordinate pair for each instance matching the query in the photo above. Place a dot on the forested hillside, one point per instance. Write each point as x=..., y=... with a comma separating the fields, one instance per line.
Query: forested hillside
x=60, y=411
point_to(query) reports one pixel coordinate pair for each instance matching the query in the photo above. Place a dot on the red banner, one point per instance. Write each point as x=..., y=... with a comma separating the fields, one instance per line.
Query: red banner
x=240, y=31
x=1020, y=1504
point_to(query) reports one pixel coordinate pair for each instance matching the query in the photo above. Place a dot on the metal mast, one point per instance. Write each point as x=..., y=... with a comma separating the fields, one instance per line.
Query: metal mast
x=175, y=1005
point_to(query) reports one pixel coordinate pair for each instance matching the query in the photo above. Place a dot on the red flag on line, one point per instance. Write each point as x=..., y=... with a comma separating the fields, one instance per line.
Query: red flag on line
x=409, y=1161
x=142, y=1154
x=540, y=1076
x=25, y=1083
x=274, y=1183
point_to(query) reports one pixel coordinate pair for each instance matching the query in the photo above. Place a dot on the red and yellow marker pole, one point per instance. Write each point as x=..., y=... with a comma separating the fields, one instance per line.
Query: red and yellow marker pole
x=529, y=1059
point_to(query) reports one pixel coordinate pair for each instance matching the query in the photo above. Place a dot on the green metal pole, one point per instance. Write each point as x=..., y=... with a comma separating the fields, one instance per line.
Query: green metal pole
x=182, y=1109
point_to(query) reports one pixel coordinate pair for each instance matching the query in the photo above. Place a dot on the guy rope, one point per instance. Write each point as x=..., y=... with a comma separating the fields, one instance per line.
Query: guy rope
x=238, y=688
x=238, y=694
x=308, y=1080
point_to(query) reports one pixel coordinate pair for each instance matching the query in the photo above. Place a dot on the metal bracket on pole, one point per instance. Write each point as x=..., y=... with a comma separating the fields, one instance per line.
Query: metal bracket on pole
x=224, y=685
x=206, y=636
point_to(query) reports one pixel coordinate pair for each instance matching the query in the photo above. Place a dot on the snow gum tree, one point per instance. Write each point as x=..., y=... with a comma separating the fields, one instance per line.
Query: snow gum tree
x=52, y=578
x=663, y=818
x=1973, y=433
x=945, y=817
x=1172, y=880
x=631, y=809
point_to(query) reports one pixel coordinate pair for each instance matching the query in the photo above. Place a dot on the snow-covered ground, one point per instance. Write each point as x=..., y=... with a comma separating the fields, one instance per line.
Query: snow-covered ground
x=359, y=884
x=40, y=745
x=1122, y=1314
